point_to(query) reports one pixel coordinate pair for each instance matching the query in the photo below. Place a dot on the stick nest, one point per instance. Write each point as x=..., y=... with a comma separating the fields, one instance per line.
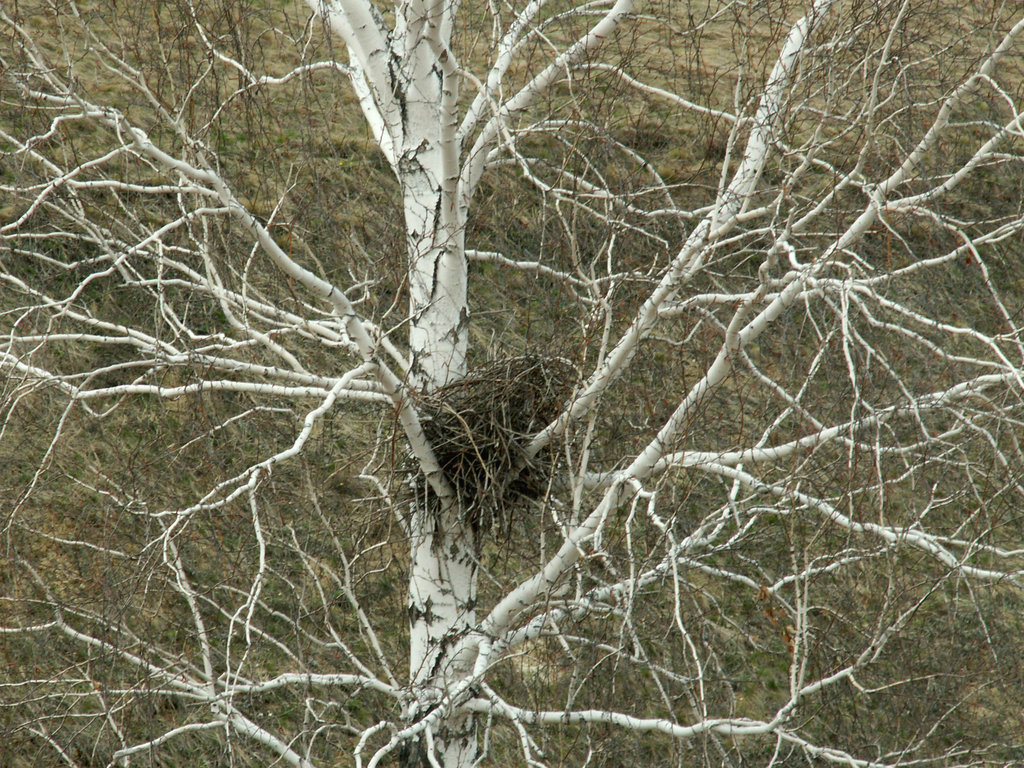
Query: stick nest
x=481, y=425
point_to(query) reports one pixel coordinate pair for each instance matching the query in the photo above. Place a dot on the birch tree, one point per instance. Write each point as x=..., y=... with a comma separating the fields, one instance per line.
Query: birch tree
x=666, y=404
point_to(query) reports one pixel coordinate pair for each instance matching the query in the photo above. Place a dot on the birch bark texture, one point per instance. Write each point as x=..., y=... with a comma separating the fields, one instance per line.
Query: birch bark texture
x=780, y=244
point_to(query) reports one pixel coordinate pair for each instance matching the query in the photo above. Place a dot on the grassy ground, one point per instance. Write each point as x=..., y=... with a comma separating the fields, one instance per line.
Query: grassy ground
x=301, y=157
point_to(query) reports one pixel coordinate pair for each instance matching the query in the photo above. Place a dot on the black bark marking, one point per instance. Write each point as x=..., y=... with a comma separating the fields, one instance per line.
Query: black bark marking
x=433, y=280
x=426, y=613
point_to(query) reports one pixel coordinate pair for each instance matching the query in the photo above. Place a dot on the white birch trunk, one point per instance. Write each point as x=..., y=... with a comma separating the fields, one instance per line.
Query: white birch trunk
x=442, y=581
x=437, y=275
x=442, y=569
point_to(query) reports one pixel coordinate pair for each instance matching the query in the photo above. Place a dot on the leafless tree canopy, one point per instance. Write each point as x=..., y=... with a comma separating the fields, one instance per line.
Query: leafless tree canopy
x=538, y=383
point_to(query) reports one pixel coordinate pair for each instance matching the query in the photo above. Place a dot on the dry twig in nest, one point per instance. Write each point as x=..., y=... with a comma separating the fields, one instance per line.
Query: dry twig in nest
x=480, y=426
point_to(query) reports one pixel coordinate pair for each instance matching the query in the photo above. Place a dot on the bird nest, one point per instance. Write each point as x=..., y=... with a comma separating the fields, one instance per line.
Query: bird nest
x=481, y=425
